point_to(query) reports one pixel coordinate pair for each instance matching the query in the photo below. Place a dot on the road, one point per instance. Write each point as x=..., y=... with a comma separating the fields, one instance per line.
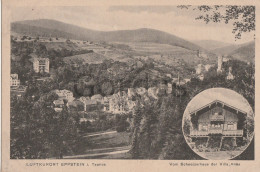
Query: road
x=98, y=134
x=124, y=149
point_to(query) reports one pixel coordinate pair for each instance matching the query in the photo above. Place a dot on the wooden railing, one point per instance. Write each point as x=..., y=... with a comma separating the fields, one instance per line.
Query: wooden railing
x=233, y=133
x=196, y=133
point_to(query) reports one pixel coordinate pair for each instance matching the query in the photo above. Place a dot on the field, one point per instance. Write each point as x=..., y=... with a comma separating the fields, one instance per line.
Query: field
x=107, y=145
x=165, y=53
x=149, y=47
x=91, y=58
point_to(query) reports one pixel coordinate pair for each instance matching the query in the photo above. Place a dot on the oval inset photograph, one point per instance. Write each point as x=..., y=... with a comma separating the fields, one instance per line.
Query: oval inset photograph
x=218, y=124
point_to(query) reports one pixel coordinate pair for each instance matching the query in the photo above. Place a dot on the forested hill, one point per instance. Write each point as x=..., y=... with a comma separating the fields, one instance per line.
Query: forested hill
x=45, y=27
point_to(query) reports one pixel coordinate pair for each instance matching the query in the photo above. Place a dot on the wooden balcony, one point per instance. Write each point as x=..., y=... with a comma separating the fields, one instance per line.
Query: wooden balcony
x=196, y=133
x=226, y=133
x=235, y=133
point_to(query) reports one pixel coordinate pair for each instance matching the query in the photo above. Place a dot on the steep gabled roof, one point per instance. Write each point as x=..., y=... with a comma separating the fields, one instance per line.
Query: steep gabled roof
x=226, y=97
x=221, y=102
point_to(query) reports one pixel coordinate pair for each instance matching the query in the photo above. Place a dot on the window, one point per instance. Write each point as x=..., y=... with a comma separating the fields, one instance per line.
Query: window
x=230, y=127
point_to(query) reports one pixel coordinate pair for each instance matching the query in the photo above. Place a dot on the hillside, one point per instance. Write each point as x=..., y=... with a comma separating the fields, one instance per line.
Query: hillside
x=245, y=53
x=54, y=28
x=229, y=49
x=211, y=44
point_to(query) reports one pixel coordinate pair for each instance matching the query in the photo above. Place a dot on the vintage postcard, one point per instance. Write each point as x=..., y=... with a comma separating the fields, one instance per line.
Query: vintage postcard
x=113, y=86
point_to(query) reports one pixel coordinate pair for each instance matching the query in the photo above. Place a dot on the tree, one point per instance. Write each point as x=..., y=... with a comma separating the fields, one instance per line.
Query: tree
x=106, y=88
x=37, y=131
x=121, y=123
x=137, y=117
x=242, y=17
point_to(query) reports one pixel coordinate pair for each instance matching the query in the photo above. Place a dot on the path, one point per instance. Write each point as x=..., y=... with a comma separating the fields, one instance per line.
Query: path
x=98, y=134
x=124, y=149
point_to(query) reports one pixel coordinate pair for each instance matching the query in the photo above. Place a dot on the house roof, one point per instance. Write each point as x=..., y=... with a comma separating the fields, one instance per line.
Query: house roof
x=224, y=96
x=90, y=102
x=14, y=76
x=58, y=102
x=96, y=96
x=75, y=103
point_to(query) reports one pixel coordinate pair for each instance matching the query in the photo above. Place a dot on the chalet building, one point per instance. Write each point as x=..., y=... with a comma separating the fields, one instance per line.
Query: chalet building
x=14, y=81
x=217, y=119
x=41, y=65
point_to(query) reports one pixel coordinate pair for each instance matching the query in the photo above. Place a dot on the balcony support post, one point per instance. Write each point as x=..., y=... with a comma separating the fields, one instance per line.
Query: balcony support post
x=207, y=141
x=221, y=141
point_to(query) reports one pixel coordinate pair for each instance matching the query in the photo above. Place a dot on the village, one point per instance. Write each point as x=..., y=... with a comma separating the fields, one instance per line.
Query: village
x=121, y=102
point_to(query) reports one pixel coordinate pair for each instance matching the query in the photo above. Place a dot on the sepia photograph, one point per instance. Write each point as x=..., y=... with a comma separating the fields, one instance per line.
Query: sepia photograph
x=218, y=123
x=132, y=82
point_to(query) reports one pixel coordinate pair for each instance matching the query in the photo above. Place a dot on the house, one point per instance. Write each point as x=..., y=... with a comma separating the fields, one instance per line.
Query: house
x=65, y=94
x=131, y=92
x=14, y=81
x=76, y=105
x=202, y=54
x=153, y=92
x=201, y=77
x=230, y=76
x=217, y=118
x=85, y=101
x=41, y=65
x=207, y=67
x=226, y=59
x=174, y=80
x=162, y=89
x=169, y=75
x=19, y=91
x=118, y=103
x=58, y=105
x=141, y=91
x=97, y=97
x=187, y=80
x=199, y=69
x=169, y=88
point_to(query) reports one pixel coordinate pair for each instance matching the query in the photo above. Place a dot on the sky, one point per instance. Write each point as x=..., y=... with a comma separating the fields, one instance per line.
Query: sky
x=180, y=22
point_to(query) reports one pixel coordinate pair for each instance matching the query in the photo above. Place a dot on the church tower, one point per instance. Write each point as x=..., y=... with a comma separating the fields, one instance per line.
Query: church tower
x=220, y=61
